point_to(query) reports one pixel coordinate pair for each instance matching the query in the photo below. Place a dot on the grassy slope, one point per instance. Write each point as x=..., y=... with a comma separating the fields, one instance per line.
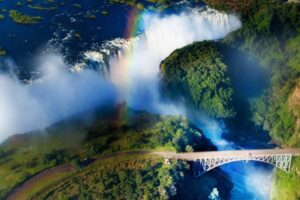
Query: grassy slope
x=25, y=155
x=271, y=33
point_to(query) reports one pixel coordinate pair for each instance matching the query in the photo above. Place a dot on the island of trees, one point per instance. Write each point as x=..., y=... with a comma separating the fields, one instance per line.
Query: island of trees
x=18, y=17
x=198, y=74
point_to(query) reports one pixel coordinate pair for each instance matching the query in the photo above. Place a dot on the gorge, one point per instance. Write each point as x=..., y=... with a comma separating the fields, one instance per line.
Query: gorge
x=144, y=91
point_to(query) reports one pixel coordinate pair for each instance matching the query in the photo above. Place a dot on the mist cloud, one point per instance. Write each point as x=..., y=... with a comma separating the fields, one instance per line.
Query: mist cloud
x=136, y=71
x=133, y=75
x=57, y=95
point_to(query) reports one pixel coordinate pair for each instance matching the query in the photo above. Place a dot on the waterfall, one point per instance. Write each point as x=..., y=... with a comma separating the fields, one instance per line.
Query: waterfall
x=100, y=58
x=133, y=64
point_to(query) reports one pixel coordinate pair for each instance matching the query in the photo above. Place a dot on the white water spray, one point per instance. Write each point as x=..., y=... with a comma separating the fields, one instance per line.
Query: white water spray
x=134, y=69
x=58, y=94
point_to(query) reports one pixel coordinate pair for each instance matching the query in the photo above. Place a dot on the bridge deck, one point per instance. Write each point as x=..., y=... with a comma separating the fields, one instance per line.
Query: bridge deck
x=231, y=153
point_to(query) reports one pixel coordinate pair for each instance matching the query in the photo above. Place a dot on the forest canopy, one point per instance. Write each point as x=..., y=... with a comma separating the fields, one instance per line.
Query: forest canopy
x=198, y=73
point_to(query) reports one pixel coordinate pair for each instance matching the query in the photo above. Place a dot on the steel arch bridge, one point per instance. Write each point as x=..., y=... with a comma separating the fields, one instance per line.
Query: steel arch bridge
x=206, y=161
x=204, y=165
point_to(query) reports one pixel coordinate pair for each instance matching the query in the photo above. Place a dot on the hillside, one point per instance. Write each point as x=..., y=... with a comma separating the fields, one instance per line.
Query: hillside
x=271, y=34
x=99, y=134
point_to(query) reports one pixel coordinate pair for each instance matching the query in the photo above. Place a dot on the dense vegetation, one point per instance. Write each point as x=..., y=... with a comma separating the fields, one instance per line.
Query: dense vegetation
x=271, y=33
x=128, y=178
x=286, y=186
x=25, y=155
x=198, y=74
x=243, y=7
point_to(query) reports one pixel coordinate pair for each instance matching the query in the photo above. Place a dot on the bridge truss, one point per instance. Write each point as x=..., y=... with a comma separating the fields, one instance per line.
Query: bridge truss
x=281, y=161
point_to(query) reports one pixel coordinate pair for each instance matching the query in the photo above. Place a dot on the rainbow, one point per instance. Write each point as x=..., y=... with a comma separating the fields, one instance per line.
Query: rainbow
x=134, y=23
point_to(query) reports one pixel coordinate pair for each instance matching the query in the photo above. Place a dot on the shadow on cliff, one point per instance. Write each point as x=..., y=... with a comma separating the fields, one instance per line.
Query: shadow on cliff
x=248, y=80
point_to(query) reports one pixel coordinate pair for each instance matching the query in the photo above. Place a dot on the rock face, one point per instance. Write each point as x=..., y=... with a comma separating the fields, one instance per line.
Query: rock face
x=198, y=75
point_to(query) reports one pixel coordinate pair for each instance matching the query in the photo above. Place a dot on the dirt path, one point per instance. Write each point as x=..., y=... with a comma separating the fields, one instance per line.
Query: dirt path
x=48, y=173
x=16, y=193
